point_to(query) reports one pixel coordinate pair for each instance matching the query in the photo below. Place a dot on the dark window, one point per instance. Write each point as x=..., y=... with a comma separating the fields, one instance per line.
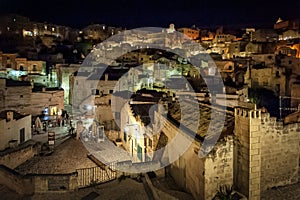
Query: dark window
x=22, y=135
x=150, y=143
x=277, y=89
x=21, y=96
x=34, y=68
x=95, y=92
x=125, y=136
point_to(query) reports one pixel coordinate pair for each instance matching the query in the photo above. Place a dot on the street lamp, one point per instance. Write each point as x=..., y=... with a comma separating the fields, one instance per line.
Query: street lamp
x=281, y=108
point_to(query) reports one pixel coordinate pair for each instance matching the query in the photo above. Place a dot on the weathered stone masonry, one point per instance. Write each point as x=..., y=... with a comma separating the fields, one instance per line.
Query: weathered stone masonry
x=266, y=152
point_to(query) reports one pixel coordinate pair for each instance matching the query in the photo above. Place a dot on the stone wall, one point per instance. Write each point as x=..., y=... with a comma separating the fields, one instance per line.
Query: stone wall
x=202, y=177
x=54, y=182
x=16, y=157
x=219, y=167
x=279, y=153
x=10, y=130
x=63, y=72
x=37, y=183
x=199, y=176
x=14, y=181
x=16, y=97
x=272, y=78
x=40, y=100
x=266, y=152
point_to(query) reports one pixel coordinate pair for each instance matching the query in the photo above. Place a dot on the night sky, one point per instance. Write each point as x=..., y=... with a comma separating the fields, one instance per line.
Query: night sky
x=160, y=13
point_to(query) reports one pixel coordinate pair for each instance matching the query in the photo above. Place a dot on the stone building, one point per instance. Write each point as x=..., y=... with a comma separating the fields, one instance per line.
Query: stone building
x=283, y=25
x=15, y=95
x=15, y=128
x=267, y=76
x=189, y=32
x=12, y=24
x=289, y=34
x=260, y=153
x=99, y=31
x=64, y=72
x=49, y=100
x=30, y=66
x=8, y=60
x=222, y=38
x=264, y=35
x=76, y=81
x=84, y=85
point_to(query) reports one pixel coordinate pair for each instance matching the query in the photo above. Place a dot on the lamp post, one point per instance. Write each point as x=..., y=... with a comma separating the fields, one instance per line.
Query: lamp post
x=281, y=108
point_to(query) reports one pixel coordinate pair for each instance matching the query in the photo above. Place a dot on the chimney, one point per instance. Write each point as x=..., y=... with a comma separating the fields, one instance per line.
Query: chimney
x=9, y=116
x=106, y=77
x=43, y=89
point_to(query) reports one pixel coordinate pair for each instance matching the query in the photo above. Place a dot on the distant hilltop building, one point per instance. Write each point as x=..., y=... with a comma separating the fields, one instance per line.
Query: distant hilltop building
x=283, y=25
x=13, y=24
x=99, y=31
x=190, y=32
x=171, y=28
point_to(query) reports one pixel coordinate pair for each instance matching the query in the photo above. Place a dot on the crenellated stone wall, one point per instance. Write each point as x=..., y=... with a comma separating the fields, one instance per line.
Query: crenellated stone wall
x=279, y=153
x=266, y=152
x=247, y=153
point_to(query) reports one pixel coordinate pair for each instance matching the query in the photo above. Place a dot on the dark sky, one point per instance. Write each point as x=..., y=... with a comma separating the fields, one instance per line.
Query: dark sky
x=160, y=13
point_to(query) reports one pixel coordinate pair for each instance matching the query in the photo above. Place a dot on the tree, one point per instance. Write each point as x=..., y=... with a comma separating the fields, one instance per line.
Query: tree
x=263, y=97
x=225, y=192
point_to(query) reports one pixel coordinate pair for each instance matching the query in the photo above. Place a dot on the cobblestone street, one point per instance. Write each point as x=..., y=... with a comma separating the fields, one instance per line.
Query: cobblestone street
x=66, y=158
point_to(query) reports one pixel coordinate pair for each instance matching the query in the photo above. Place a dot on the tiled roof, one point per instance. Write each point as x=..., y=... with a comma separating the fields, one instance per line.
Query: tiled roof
x=205, y=118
